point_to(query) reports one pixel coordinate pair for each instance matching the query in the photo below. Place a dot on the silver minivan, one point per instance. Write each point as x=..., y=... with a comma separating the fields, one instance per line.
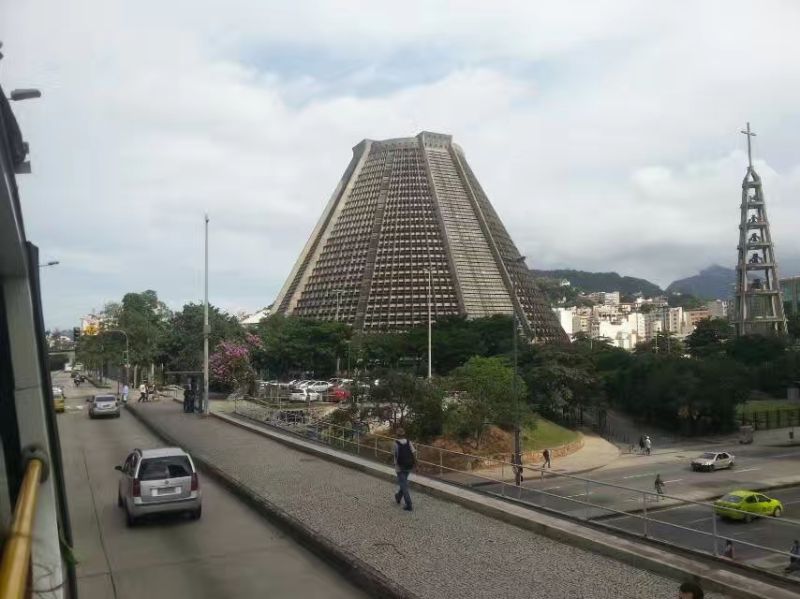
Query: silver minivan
x=157, y=481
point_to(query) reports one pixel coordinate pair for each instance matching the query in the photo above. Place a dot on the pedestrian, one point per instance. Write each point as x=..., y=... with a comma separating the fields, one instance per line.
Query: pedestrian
x=690, y=590
x=125, y=391
x=546, y=456
x=641, y=443
x=404, y=456
x=647, y=444
x=794, y=557
x=187, y=399
x=659, y=485
x=728, y=551
x=142, y=392
x=150, y=392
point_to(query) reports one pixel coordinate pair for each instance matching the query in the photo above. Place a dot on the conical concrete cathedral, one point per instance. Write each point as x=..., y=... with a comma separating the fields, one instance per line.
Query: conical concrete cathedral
x=408, y=222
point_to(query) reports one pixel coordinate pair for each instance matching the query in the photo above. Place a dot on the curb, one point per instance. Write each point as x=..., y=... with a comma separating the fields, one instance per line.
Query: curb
x=672, y=564
x=352, y=568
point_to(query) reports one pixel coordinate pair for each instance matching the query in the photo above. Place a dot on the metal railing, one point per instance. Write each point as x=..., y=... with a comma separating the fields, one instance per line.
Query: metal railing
x=645, y=517
x=15, y=566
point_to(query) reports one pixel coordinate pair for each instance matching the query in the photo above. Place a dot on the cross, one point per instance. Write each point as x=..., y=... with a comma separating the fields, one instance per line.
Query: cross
x=749, y=134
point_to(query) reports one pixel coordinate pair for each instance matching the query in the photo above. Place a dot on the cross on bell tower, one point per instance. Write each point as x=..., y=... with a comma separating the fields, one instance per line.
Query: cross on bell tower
x=759, y=303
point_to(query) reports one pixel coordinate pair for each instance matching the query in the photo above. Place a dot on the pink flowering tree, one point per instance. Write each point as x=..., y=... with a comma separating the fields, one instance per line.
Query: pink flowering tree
x=230, y=363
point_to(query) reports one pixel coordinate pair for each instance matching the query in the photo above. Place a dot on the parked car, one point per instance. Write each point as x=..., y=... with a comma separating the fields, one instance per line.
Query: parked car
x=751, y=504
x=157, y=481
x=303, y=395
x=58, y=399
x=318, y=386
x=103, y=405
x=339, y=394
x=298, y=385
x=713, y=460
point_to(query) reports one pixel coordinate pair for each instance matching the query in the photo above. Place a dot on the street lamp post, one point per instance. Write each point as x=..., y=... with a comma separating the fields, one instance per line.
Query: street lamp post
x=206, y=328
x=127, y=354
x=517, y=427
x=430, y=320
x=338, y=293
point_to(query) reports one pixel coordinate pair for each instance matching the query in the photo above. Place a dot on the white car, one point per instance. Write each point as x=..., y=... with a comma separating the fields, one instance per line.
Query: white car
x=304, y=395
x=103, y=405
x=318, y=386
x=713, y=460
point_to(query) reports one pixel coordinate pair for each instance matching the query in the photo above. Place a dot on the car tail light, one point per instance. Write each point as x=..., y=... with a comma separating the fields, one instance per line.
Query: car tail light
x=137, y=489
x=195, y=482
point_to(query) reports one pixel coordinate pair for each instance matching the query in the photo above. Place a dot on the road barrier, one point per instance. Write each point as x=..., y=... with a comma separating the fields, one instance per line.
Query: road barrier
x=645, y=517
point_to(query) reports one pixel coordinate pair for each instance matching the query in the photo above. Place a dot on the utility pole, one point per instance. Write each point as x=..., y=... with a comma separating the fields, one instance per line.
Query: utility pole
x=338, y=297
x=206, y=329
x=517, y=441
x=430, y=354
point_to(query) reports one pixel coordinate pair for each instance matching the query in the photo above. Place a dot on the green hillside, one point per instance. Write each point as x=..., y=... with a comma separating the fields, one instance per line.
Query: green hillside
x=602, y=281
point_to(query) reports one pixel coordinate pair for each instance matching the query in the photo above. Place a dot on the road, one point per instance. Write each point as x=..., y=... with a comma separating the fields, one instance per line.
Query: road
x=231, y=552
x=757, y=467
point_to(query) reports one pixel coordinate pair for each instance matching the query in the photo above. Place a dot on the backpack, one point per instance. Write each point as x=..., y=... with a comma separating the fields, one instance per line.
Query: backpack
x=405, y=457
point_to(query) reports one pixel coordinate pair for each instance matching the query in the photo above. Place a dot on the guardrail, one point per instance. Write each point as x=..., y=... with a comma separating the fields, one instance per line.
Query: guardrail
x=645, y=517
x=15, y=566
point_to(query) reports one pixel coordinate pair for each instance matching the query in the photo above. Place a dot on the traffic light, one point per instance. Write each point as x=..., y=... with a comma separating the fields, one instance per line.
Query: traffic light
x=76, y=333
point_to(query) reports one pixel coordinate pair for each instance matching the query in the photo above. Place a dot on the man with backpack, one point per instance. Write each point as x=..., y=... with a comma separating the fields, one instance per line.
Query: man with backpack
x=404, y=459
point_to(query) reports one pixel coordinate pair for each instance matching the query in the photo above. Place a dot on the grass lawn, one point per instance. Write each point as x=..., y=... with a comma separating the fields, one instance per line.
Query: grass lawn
x=546, y=434
x=764, y=405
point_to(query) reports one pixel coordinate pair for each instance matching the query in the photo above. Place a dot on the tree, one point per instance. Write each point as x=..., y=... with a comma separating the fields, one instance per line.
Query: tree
x=144, y=318
x=181, y=347
x=413, y=403
x=756, y=349
x=709, y=337
x=488, y=385
x=229, y=365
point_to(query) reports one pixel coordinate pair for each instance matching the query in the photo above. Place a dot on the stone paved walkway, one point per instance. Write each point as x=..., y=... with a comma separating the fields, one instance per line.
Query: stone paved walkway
x=441, y=550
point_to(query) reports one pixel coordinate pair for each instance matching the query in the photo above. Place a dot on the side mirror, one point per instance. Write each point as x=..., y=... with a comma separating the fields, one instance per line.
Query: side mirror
x=118, y=468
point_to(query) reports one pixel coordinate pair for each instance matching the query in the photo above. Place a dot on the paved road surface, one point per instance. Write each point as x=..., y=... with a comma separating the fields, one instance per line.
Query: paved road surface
x=231, y=552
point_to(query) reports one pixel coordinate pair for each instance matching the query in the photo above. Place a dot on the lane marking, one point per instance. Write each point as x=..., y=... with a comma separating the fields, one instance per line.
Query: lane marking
x=549, y=489
x=639, y=475
x=677, y=480
x=746, y=470
x=786, y=455
x=699, y=520
x=578, y=495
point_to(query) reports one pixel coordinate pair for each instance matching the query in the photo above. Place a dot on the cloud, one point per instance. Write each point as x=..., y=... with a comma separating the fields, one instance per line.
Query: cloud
x=604, y=133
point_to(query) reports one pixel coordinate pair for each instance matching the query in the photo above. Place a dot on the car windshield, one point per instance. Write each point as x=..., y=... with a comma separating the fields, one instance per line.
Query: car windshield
x=708, y=456
x=732, y=499
x=165, y=467
x=104, y=398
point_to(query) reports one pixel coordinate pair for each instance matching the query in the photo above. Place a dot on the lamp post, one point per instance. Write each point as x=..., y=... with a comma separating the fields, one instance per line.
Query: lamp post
x=430, y=319
x=127, y=354
x=338, y=293
x=517, y=440
x=206, y=328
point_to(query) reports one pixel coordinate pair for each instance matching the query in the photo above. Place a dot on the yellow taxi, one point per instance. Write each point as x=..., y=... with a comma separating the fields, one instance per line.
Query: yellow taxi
x=58, y=399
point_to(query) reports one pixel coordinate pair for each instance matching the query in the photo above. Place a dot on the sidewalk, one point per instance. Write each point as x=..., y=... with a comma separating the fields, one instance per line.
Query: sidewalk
x=595, y=453
x=441, y=550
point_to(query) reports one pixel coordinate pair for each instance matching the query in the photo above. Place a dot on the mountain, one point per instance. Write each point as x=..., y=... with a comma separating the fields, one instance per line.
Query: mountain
x=602, y=281
x=714, y=282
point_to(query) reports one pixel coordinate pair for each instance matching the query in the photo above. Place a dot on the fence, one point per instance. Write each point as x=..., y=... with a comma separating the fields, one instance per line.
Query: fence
x=618, y=507
x=769, y=419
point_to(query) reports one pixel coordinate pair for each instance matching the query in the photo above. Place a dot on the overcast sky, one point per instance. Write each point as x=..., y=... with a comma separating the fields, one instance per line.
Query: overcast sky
x=606, y=134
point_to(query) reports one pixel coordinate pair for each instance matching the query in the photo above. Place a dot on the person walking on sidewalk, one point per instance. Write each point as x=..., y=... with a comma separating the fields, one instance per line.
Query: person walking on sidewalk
x=142, y=393
x=794, y=557
x=404, y=456
x=125, y=391
x=546, y=456
x=647, y=444
x=728, y=551
x=659, y=485
x=641, y=443
x=690, y=590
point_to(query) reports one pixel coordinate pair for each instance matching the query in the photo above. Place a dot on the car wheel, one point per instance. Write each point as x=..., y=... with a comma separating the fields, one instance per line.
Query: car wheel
x=748, y=518
x=130, y=519
x=118, y=415
x=197, y=513
x=777, y=512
